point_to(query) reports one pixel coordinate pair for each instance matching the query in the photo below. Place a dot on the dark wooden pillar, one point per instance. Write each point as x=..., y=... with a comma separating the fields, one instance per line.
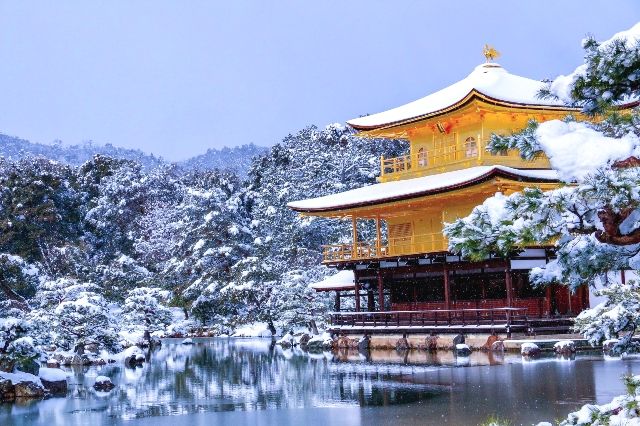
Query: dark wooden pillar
x=337, y=303
x=371, y=303
x=547, y=300
x=357, y=292
x=623, y=279
x=380, y=291
x=447, y=290
x=508, y=284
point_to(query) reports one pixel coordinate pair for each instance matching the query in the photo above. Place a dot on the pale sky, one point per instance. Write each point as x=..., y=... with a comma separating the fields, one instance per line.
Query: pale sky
x=177, y=77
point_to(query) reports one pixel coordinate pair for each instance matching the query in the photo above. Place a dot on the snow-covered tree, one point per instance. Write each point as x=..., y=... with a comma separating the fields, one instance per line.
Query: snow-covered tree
x=595, y=218
x=142, y=308
x=84, y=320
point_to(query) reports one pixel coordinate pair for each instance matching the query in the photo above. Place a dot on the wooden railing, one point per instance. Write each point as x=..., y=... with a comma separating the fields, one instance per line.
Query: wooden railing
x=432, y=318
x=416, y=244
x=450, y=157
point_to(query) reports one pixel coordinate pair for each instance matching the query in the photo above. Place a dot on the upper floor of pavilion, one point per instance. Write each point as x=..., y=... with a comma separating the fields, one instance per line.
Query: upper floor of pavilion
x=449, y=130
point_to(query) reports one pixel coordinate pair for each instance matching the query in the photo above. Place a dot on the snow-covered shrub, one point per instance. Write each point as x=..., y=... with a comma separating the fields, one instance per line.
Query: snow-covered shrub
x=618, y=317
x=17, y=347
x=83, y=321
x=142, y=309
x=622, y=410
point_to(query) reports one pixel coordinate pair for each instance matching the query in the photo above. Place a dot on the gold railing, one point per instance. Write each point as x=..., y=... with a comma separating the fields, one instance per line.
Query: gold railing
x=416, y=244
x=450, y=157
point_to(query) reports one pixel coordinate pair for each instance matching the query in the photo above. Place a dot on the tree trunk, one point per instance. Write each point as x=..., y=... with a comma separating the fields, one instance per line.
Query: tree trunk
x=272, y=328
x=313, y=327
x=16, y=300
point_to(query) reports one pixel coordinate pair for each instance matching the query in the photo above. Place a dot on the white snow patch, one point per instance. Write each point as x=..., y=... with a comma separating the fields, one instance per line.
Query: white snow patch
x=52, y=374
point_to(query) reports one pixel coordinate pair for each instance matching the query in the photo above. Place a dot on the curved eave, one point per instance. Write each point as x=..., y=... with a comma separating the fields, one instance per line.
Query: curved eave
x=472, y=182
x=470, y=97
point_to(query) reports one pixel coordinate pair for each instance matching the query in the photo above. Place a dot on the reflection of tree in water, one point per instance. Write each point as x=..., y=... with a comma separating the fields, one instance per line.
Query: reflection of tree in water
x=222, y=375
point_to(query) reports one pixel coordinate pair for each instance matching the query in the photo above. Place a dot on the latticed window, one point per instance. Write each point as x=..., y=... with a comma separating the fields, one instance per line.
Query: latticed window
x=470, y=147
x=400, y=235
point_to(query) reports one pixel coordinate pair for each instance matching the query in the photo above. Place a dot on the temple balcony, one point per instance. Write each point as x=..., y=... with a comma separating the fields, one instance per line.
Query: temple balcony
x=454, y=155
x=393, y=247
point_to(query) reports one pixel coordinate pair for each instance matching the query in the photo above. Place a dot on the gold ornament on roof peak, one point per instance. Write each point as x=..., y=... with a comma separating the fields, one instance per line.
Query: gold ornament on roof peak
x=490, y=53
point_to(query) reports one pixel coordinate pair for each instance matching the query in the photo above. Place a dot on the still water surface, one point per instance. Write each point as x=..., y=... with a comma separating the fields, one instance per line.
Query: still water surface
x=251, y=381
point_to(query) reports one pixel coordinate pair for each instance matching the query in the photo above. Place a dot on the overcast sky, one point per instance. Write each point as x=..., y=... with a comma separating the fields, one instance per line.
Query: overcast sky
x=177, y=77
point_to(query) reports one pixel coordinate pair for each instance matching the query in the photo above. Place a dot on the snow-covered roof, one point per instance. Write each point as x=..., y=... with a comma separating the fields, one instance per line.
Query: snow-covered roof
x=343, y=280
x=489, y=79
x=417, y=187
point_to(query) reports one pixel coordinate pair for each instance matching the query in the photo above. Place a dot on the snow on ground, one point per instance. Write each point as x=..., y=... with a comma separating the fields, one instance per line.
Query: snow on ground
x=258, y=329
x=19, y=377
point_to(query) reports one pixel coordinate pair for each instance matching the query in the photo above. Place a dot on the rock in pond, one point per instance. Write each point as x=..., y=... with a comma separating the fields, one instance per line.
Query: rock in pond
x=54, y=380
x=564, y=347
x=529, y=349
x=103, y=383
x=187, y=341
x=463, y=350
x=20, y=385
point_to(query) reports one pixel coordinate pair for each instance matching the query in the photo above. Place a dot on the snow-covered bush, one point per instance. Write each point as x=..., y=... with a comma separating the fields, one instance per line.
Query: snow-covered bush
x=83, y=321
x=618, y=317
x=622, y=410
x=142, y=309
x=17, y=346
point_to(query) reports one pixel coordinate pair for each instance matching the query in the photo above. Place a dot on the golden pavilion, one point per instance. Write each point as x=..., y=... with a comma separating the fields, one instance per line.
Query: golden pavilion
x=406, y=278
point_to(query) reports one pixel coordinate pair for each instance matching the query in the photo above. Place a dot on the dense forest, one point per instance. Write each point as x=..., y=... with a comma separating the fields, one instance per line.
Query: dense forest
x=101, y=252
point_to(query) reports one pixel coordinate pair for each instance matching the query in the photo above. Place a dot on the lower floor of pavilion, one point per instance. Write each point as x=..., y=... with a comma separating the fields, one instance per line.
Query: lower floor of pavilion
x=489, y=294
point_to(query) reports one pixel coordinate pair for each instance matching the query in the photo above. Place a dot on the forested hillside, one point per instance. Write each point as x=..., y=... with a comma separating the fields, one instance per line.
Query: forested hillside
x=111, y=239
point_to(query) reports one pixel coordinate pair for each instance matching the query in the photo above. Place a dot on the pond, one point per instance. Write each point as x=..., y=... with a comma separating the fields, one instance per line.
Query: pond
x=252, y=381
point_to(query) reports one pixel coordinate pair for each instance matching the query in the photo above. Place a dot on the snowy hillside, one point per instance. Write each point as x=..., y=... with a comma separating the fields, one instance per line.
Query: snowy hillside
x=237, y=159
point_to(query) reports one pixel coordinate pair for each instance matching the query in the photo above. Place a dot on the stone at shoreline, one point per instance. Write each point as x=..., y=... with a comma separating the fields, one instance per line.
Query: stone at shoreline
x=363, y=343
x=286, y=341
x=7, y=390
x=458, y=339
x=497, y=346
x=304, y=339
x=58, y=387
x=53, y=363
x=529, y=349
x=431, y=343
x=28, y=390
x=402, y=344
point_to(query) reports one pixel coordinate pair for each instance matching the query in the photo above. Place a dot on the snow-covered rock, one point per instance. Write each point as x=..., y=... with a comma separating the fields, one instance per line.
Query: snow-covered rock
x=529, y=349
x=287, y=341
x=564, y=347
x=103, y=383
x=609, y=344
x=53, y=363
x=20, y=385
x=187, y=341
x=463, y=349
x=54, y=380
x=319, y=342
